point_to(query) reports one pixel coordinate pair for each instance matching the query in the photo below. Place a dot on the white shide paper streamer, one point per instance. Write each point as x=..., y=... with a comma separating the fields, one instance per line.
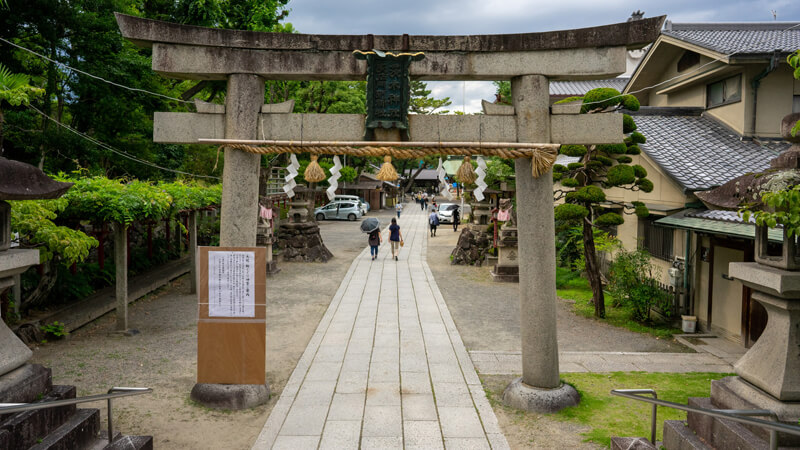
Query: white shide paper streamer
x=481, y=171
x=337, y=166
x=288, y=188
x=444, y=187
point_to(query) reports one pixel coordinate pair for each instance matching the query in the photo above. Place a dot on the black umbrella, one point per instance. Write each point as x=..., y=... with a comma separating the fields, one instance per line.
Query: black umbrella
x=370, y=224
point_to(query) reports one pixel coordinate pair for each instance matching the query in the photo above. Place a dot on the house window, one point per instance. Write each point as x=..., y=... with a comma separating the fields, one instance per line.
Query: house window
x=725, y=91
x=657, y=240
x=688, y=60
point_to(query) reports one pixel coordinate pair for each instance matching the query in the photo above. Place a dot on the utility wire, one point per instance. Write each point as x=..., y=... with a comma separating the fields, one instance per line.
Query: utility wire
x=93, y=76
x=118, y=152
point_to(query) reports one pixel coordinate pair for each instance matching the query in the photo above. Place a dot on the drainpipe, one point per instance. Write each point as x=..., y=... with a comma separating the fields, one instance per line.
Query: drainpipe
x=688, y=306
x=773, y=64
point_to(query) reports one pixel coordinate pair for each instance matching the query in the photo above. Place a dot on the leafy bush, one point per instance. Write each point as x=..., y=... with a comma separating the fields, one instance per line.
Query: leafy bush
x=633, y=282
x=569, y=246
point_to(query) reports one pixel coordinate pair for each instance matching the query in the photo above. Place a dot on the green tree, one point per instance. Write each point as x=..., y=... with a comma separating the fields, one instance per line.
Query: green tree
x=601, y=167
x=421, y=101
x=14, y=90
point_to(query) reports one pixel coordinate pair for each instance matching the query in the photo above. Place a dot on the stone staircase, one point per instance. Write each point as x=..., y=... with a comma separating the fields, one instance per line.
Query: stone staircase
x=63, y=427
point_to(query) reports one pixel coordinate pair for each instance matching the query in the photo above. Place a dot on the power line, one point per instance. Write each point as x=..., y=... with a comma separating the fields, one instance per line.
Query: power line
x=118, y=152
x=93, y=76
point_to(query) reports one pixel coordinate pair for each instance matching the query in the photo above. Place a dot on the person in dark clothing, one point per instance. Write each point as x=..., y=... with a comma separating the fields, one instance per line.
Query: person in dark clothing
x=395, y=238
x=375, y=240
x=456, y=219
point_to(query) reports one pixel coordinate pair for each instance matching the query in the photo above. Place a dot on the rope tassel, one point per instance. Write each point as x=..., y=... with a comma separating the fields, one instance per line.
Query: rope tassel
x=465, y=173
x=314, y=173
x=541, y=162
x=387, y=172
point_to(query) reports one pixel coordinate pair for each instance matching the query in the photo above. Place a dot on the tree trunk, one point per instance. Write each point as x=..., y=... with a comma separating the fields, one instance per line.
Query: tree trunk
x=593, y=269
x=46, y=283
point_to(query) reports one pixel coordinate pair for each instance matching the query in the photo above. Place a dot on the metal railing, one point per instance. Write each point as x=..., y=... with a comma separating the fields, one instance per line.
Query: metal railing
x=736, y=415
x=114, y=392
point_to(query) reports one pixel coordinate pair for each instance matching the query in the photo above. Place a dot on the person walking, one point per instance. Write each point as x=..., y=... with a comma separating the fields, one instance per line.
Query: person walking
x=421, y=202
x=456, y=219
x=433, y=220
x=399, y=208
x=374, y=240
x=395, y=238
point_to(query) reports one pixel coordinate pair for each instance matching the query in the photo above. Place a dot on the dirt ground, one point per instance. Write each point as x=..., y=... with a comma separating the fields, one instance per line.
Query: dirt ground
x=163, y=355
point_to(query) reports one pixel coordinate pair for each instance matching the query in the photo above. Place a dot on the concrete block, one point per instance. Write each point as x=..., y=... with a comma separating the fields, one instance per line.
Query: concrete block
x=382, y=421
x=304, y=421
x=383, y=394
x=779, y=282
x=419, y=407
x=460, y=422
x=347, y=407
x=323, y=371
x=352, y=382
x=208, y=108
x=340, y=434
x=586, y=129
x=296, y=443
x=315, y=393
x=278, y=108
x=466, y=443
x=522, y=396
x=230, y=396
x=422, y=434
x=496, y=109
x=415, y=382
x=187, y=128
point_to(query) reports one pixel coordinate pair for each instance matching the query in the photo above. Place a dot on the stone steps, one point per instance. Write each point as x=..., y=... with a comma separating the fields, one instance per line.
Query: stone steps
x=76, y=433
x=722, y=433
x=631, y=443
x=26, y=427
x=678, y=436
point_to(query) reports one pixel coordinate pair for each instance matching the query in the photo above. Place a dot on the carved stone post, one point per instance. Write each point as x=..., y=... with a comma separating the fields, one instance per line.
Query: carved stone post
x=121, y=281
x=193, y=251
x=539, y=389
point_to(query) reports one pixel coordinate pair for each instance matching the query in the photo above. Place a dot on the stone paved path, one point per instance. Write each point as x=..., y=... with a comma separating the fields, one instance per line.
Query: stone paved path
x=386, y=367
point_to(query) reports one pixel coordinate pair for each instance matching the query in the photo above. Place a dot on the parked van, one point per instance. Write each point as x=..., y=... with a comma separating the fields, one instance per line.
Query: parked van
x=352, y=198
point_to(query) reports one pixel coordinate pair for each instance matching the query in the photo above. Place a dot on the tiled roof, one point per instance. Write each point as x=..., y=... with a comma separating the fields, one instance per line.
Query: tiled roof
x=727, y=223
x=699, y=153
x=577, y=88
x=739, y=38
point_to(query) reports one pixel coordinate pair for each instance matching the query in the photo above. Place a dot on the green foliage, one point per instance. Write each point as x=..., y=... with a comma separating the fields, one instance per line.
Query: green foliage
x=557, y=176
x=558, y=168
x=639, y=171
x=105, y=200
x=624, y=159
x=570, y=182
x=56, y=329
x=587, y=194
x=783, y=208
x=645, y=185
x=628, y=124
x=503, y=92
x=568, y=100
x=630, y=102
x=633, y=281
x=574, y=166
x=33, y=220
x=605, y=161
x=633, y=150
x=348, y=174
x=499, y=170
x=612, y=149
x=600, y=98
x=15, y=88
x=187, y=196
x=620, y=174
x=421, y=101
x=594, y=164
x=638, y=138
x=570, y=212
x=569, y=245
x=609, y=219
x=794, y=61
x=573, y=150
x=640, y=209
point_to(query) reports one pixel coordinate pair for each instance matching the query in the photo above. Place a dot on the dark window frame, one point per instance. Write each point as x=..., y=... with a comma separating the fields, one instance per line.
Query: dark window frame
x=657, y=240
x=727, y=98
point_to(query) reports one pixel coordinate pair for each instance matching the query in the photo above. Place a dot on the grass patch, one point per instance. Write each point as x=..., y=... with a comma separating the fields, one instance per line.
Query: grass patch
x=570, y=286
x=611, y=416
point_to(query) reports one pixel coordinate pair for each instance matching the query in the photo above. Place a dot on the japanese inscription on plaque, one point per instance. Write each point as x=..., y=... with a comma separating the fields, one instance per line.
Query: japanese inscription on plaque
x=231, y=284
x=388, y=89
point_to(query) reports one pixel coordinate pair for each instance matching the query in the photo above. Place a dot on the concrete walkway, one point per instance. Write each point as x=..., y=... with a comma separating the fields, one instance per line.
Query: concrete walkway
x=386, y=367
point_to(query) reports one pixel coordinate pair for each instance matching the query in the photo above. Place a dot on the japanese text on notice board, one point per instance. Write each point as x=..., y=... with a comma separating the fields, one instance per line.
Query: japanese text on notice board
x=231, y=284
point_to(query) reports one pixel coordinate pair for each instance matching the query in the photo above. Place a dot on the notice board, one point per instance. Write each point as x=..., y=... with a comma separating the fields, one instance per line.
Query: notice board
x=231, y=324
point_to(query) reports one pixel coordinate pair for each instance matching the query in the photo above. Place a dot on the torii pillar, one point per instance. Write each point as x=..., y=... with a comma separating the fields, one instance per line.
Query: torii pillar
x=540, y=388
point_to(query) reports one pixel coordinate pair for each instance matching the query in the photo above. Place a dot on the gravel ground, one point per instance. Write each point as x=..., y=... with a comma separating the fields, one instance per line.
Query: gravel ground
x=163, y=356
x=487, y=313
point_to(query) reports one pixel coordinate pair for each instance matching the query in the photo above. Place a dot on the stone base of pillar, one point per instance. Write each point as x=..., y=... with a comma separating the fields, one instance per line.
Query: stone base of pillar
x=529, y=398
x=230, y=396
x=13, y=353
x=272, y=267
x=509, y=274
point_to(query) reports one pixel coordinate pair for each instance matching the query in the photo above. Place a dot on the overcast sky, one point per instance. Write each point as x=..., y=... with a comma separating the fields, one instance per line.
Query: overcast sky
x=460, y=17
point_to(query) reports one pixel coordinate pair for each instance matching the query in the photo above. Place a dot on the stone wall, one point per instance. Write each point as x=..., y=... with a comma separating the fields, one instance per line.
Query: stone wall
x=301, y=242
x=473, y=244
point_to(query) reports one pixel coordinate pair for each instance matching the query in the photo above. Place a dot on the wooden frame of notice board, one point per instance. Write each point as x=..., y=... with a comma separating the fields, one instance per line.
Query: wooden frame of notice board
x=231, y=331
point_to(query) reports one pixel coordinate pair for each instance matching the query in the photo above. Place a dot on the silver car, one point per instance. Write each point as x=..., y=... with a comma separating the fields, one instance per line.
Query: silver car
x=338, y=210
x=446, y=211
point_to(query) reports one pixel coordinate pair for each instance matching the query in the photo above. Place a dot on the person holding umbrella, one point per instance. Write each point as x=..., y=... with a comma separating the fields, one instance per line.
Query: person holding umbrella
x=395, y=238
x=372, y=226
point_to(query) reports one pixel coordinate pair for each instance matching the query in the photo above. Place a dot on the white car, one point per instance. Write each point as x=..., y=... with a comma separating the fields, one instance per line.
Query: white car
x=446, y=211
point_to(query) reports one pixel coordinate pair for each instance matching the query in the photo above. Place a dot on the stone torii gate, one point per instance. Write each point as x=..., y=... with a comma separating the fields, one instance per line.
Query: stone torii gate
x=246, y=59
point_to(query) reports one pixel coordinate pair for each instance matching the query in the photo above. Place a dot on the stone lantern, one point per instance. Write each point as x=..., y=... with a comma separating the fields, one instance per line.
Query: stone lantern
x=301, y=204
x=18, y=181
